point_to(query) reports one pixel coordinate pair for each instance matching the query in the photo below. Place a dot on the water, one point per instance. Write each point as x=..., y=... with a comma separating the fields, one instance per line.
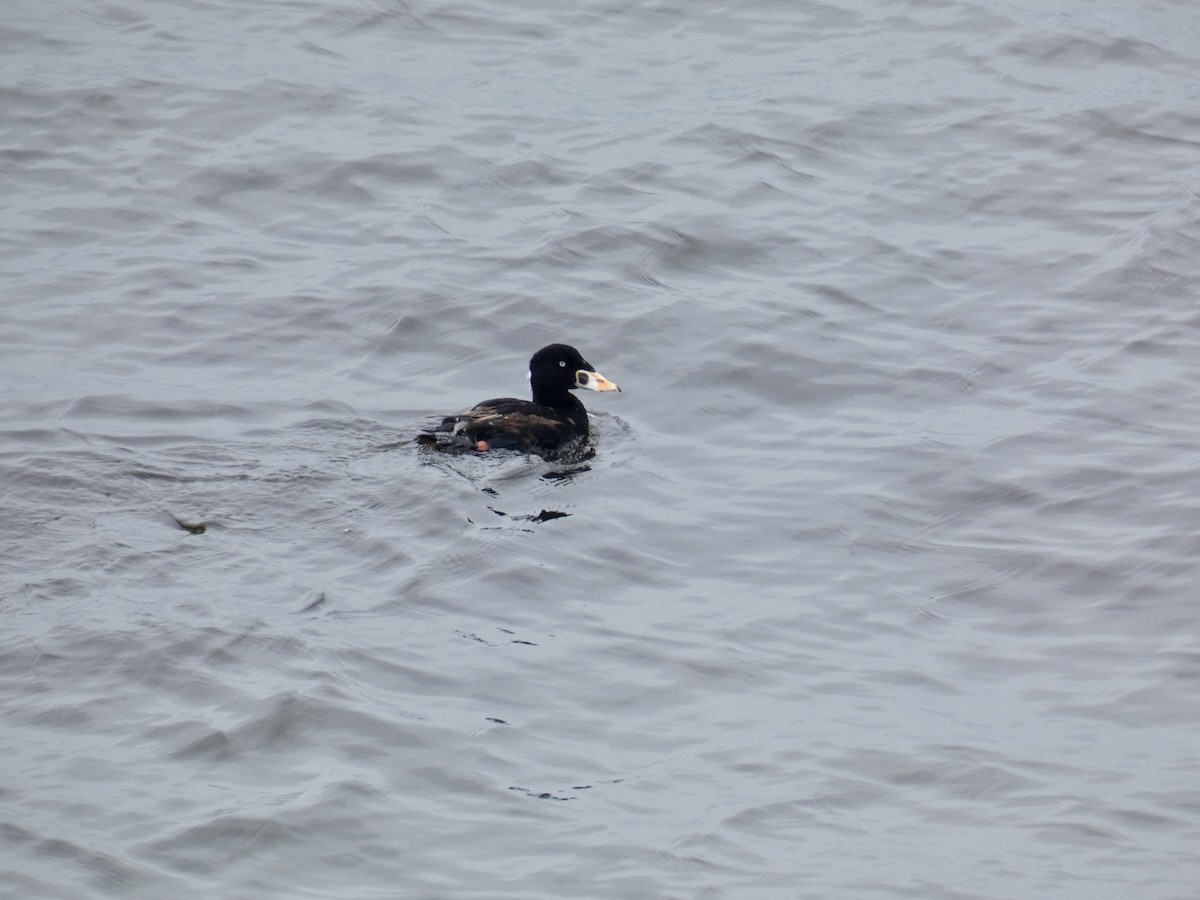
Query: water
x=880, y=584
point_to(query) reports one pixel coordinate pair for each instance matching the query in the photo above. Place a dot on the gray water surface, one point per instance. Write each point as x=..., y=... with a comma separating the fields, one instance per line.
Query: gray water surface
x=882, y=582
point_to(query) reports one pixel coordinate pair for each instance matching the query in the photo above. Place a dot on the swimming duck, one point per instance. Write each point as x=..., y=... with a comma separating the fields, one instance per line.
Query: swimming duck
x=554, y=421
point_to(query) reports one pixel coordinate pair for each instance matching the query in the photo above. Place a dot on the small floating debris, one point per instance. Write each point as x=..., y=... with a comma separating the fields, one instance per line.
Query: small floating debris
x=316, y=603
x=191, y=527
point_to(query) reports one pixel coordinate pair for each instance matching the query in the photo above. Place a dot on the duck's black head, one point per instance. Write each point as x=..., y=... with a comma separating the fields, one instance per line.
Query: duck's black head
x=556, y=369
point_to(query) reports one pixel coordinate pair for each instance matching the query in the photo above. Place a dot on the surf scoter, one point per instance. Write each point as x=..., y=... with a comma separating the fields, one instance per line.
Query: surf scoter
x=555, y=420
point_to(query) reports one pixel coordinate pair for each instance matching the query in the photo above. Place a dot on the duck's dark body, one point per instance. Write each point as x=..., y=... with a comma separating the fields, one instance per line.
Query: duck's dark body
x=553, y=422
x=510, y=424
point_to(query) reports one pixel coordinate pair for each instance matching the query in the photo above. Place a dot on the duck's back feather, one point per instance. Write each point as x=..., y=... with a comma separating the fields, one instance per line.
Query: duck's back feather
x=507, y=423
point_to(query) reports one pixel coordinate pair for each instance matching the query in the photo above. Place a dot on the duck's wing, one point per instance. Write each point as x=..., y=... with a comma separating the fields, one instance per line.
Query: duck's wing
x=515, y=424
x=504, y=423
x=480, y=415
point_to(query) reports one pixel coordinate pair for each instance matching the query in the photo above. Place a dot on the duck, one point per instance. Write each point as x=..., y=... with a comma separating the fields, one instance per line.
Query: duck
x=554, y=422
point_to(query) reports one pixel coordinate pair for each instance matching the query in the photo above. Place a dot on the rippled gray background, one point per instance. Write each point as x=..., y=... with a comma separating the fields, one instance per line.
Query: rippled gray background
x=883, y=582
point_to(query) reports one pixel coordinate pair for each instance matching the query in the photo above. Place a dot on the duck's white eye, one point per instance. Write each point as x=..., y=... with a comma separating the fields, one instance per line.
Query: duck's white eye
x=562, y=364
